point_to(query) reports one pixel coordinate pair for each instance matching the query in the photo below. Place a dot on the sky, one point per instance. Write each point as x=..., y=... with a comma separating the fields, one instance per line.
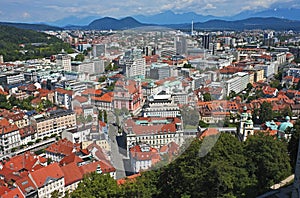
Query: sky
x=52, y=10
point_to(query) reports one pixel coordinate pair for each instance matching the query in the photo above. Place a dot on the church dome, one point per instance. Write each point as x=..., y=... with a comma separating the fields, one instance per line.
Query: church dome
x=283, y=126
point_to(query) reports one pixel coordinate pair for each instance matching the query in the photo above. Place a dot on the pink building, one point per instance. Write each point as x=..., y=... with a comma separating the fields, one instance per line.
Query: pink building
x=128, y=94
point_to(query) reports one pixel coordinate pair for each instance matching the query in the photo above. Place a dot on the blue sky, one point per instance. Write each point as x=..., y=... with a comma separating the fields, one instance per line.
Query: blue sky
x=51, y=10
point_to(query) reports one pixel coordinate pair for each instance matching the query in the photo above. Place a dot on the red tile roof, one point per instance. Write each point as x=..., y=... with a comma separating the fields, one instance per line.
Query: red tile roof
x=44, y=92
x=107, y=97
x=16, y=116
x=72, y=158
x=12, y=193
x=71, y=173
x=52, y=171
x=25, y=184
x=25, y=161
x=92, y=92
x=230, y=70
x=80, y=99
x=92, y=167
x=130, y=178
x=63, y=91
x=209, y=132
x=63, y=146
x=139, y=155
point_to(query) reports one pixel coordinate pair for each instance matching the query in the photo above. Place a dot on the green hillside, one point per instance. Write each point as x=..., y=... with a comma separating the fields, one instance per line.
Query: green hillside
x=20, y=44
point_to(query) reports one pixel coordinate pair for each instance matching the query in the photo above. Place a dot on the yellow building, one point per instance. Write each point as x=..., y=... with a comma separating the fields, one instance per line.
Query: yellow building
x=53, y=122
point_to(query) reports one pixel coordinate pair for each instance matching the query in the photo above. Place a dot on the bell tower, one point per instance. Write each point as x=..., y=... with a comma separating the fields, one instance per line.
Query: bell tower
x=246, y=124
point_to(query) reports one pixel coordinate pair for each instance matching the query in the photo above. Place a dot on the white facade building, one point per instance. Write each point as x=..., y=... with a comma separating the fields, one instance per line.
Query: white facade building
x=64, y=61
x=237, y=83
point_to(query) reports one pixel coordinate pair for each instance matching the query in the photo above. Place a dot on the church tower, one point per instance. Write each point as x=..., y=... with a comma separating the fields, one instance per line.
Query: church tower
x=246, y=125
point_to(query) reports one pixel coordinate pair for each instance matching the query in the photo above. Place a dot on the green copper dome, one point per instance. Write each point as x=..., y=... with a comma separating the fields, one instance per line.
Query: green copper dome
x=283, y=126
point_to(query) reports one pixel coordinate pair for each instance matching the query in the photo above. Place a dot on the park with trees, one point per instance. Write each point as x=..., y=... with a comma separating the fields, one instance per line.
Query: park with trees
x=231, y=169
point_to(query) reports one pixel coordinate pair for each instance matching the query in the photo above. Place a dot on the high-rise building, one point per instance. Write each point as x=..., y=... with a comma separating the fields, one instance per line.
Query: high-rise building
x=99, y=50
x=206, y=39
x=160, y=71
x=134, y=64
x=180, y=45
x=64, y=61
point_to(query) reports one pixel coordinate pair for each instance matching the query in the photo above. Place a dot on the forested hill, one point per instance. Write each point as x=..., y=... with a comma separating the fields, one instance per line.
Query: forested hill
x=20, y=44
x=28, y=26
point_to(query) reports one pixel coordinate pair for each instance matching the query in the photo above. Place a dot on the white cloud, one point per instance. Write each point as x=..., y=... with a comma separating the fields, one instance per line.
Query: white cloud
x=42, y=10
x=26, y=15
x=209, y=6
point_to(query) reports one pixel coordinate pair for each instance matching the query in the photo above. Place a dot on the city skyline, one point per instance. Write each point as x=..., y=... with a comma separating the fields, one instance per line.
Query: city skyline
x=50, y=11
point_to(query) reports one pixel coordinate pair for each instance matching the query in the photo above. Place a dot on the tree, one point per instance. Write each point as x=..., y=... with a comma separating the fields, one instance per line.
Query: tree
x=100, y=115
x=286, y=112
x=4, y=103
x=105, y=116
x=89, y=118
x=203, y=124
x=298, y=85
x=207, y=97
x=221, y=172
x=13, y=101
x=232, y=94
x=249, y=86
x=102, y=79
x=56, y=194
x=79, y=57
x=268, y=161
x=81, y=119
x=97, y=185
x=187, y=65
x=143, y=186
x=263, y=114
x=47, y=103
x=276, y=84
x=293, y=144
x=111, y=67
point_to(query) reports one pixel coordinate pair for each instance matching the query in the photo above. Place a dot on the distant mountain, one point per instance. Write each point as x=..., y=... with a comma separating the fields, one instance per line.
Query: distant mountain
x=74, y=21
x=169, y=17
x=248, y=24
x=284, y=13
x=216, y=24
x=108, y=23
x=27, y=26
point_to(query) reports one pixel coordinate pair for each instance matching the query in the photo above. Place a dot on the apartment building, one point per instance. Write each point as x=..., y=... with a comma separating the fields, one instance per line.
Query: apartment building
x=9, y=136
x=237, y=83
x=134, y=63
x=64, y=61
x=48, y=179
x=53, y=122
x=11, y=78
x=63, y=98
